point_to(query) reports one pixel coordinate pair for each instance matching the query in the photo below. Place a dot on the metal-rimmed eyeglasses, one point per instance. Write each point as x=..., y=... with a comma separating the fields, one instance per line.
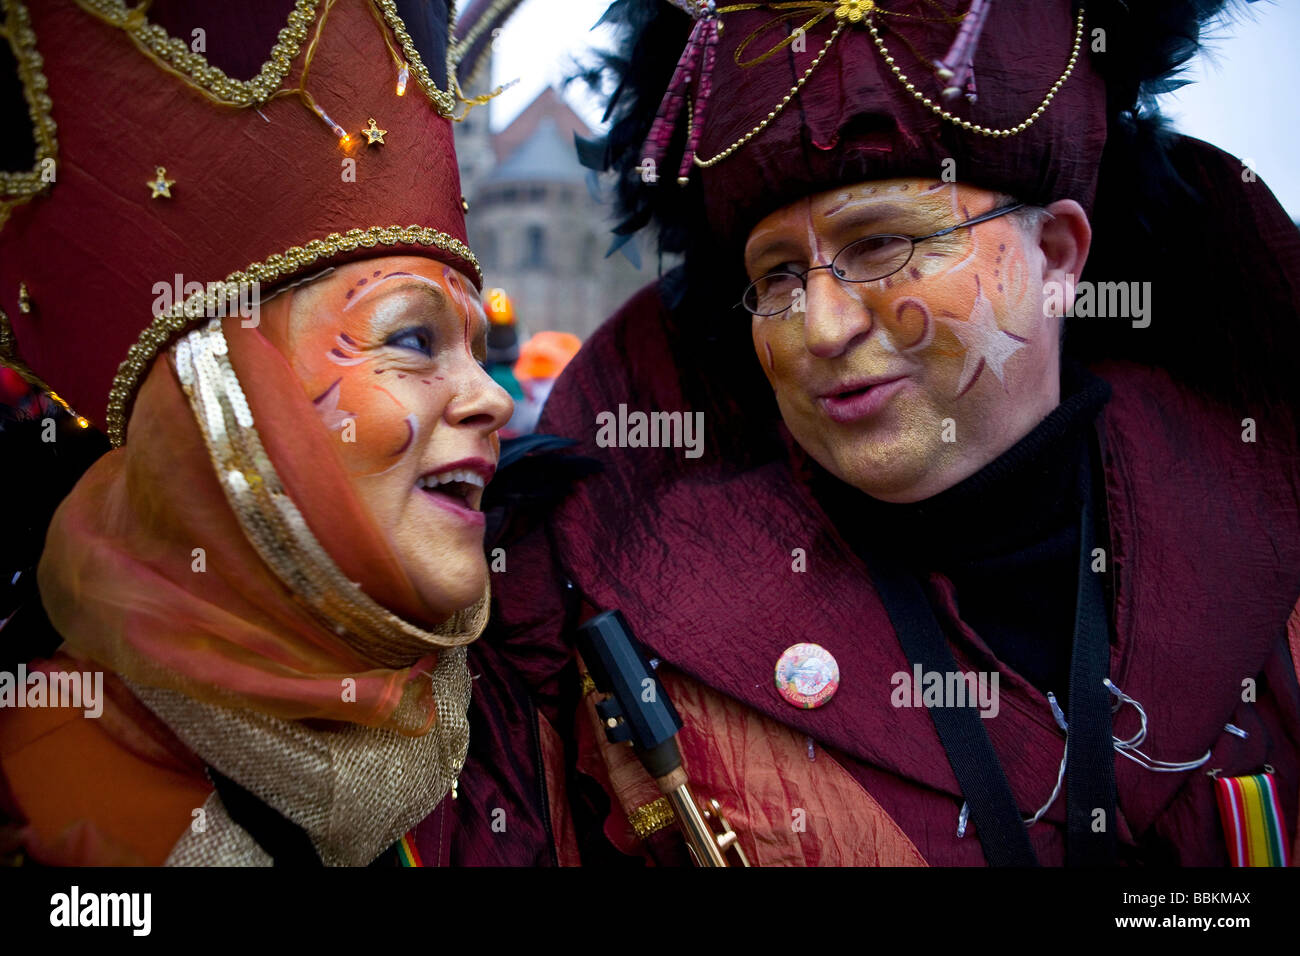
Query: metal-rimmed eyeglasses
x=868, y=259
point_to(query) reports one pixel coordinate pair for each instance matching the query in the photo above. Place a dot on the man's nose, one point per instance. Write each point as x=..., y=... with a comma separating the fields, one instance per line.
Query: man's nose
x=836, y=318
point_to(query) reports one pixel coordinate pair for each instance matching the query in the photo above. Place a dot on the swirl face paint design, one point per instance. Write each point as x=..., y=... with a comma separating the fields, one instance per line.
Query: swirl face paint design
x=389, y=350
x=349, y=343
x=871, y=374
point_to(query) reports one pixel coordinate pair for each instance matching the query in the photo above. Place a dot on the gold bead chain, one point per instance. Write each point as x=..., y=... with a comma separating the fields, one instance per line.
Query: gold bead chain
x=907, y=85
x=706, y=163
x=967, y=124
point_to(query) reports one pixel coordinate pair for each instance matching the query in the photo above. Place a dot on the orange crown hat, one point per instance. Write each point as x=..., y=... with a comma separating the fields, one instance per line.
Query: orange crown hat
x=234, y=141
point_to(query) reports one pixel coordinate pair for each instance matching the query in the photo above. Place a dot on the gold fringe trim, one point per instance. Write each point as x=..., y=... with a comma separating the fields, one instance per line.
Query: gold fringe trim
x=652, y=817
x=17, y=30
x=165, y=326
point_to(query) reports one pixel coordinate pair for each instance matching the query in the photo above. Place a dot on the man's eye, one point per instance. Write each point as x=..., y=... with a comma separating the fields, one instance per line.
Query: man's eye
x=417, y=339
x=793, y=268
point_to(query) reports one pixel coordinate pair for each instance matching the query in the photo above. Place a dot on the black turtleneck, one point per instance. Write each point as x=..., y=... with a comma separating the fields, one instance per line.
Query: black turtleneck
x=1007, y=537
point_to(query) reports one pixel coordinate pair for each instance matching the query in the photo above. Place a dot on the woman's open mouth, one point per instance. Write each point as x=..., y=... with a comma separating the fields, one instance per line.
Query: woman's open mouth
x=457, y=490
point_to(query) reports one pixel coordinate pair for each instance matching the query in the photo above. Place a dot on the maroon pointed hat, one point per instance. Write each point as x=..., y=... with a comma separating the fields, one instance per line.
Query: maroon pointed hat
x=781, y=100
x=240, y=141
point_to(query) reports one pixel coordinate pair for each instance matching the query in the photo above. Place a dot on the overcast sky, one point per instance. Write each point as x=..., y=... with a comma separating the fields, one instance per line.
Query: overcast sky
x=1244, y=100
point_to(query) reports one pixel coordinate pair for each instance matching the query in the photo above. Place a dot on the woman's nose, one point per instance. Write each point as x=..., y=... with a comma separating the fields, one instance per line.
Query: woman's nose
x=835, y=318
x=480, y=403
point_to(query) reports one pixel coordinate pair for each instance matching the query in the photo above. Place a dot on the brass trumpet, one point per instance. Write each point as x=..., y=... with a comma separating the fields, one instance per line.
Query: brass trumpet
x=709, y=837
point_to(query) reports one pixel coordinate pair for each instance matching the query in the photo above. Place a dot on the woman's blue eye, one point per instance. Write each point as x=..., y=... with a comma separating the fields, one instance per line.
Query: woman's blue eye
x=417, y=339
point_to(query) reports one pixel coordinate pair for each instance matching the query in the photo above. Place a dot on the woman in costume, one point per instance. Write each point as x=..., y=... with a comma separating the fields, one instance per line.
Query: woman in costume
x=266, y=588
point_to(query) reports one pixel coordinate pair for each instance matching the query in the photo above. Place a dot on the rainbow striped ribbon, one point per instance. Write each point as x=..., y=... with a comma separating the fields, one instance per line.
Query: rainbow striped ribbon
x=406, y=851
x=1252, y=820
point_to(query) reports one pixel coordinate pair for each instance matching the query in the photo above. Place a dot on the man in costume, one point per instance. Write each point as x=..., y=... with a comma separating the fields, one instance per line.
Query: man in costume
x=931, y=595
x=237, y=247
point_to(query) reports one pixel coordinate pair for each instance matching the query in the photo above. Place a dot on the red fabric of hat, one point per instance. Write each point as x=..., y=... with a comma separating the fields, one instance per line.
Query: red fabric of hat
x=854, y=119
x=260, y=183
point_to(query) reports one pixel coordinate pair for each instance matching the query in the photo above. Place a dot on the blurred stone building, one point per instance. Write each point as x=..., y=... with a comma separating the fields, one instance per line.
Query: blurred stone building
x=535, y=222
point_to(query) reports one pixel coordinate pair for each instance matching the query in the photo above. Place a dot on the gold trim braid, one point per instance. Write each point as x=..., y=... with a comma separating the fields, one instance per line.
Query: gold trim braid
x=278, y=530
x=445, y=100
x=165, y=326
x=17, y=30
x=175, y=55
x=460, y=47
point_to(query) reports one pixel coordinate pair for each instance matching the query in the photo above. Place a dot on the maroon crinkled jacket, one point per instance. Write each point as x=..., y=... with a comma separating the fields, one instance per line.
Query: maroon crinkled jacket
x=1205, y=532
x=1204, y=539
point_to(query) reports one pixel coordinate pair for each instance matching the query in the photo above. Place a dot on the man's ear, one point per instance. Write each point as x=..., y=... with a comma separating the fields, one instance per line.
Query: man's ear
x=1064, y=238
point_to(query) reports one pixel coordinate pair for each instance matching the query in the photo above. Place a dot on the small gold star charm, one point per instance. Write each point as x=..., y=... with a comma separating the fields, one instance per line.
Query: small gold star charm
x=161, y=185
x=374, y=134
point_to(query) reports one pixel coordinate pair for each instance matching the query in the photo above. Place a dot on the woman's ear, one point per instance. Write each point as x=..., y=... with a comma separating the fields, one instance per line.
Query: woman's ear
x=1064, y=237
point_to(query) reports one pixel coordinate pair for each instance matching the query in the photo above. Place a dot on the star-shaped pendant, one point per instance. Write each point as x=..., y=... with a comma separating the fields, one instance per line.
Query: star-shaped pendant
x=373, y=134
x=161, y=185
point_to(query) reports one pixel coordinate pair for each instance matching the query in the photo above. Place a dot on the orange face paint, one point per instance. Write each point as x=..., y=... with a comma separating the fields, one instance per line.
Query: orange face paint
x=374, y=392
x=389, y=352
x=954, y=340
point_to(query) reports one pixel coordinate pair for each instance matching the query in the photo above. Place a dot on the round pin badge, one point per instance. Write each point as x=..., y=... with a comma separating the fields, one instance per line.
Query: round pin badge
x=807, y=675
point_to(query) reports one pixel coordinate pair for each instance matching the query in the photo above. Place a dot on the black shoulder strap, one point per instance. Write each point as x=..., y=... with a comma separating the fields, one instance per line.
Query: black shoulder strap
x=1090, y=770
x=283, y=840
x=1001, y=831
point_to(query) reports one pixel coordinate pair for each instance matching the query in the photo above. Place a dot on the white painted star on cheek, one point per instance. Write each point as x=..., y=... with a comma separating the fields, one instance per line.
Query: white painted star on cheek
x=328, y=408
x=986, y=344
